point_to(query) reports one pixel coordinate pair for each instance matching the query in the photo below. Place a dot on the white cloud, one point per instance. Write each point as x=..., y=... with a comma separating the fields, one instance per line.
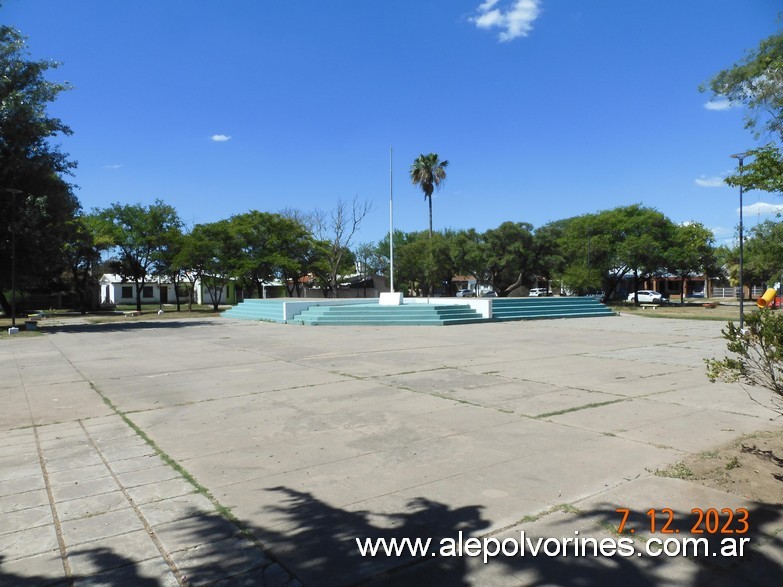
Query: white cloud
x=709, y=182
x=112, y=166
x=720, y=104
x=762, y=209
x=221, y=138
x=515, y=18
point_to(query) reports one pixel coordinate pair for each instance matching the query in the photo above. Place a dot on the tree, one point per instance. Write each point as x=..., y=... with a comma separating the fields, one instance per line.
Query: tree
x=301, y=254
x=211, y=251
x=424, y=263
x=469, y=252
x=334, y=231
x=549, y=261
x=763, y=258
x=138, y=234
x=644, y=235
x=755, y=82
x=82, y=254
x=36, y=203
x=757, y=354
x=265, y=240
x=763, y=172
x=167, y=261
x=428, y=172
x=510, y=256
x=692, y=253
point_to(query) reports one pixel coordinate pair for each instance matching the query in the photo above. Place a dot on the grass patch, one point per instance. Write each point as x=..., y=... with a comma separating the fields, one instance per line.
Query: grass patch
x=566, y=508
x=678, y=470
x=221, y=509
x=689, y=311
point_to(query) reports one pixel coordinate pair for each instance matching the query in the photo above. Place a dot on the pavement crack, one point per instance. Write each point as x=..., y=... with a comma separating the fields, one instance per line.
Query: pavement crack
x=181, y=579
x=50, y=496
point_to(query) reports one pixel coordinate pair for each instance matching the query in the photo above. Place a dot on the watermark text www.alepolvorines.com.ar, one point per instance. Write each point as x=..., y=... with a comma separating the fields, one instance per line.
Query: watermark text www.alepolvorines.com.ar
x=488, y=548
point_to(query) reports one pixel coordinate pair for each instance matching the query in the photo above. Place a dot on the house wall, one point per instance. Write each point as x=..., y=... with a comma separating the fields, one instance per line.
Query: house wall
x=230, y=295
x=124, y=293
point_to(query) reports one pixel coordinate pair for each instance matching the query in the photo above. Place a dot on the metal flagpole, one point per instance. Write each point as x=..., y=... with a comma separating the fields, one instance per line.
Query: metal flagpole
x=391, y=225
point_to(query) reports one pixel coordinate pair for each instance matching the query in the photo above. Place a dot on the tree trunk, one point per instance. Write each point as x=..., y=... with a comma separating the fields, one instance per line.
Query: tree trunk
x=139, y=288
x=513, y=286
x=682, y=290
x=429, y=200
x=635, y=288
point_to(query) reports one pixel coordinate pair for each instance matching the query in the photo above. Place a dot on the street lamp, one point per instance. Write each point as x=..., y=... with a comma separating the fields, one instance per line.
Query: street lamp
x=740, y=157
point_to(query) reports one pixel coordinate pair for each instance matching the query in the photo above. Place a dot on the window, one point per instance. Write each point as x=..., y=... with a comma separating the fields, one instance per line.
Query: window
x=127, y=291
x=146, y=291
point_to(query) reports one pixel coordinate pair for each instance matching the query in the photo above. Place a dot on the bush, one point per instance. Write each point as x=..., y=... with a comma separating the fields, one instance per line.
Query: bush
x=757, y=354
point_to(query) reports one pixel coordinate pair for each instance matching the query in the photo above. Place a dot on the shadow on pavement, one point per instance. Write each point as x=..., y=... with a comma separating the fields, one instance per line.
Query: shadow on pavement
x=317, y=543
x=126, y=326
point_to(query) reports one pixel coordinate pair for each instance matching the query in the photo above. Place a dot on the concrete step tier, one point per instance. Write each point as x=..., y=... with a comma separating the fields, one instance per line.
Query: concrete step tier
x=407, y=314
x=252, y=309
x=410, y=313
x=552, y=307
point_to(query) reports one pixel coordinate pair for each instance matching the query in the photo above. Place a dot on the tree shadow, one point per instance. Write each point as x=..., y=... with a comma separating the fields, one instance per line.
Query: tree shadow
x=705, y=564
x=111, y=569
x=309, y=540
x=125, y=326
x=766, y=455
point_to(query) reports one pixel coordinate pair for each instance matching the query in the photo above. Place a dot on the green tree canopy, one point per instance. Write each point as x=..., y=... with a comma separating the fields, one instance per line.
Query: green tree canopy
x=510, y=256
x=756, y=83
x=138, y=234
x=212, y=252
x=763, y=255
x=36, y=203
x=692, y=252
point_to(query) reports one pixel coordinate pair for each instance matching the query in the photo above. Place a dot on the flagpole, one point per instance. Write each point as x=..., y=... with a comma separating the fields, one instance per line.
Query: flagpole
x=391, y=225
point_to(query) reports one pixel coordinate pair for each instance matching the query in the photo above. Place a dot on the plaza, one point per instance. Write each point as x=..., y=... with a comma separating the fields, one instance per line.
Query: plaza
x=220, y=452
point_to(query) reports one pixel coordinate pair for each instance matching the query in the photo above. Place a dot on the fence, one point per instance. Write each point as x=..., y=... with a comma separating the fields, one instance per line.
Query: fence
x=733, y=292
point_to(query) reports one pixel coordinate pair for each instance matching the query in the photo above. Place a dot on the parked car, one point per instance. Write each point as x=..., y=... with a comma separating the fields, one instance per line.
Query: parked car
x=539, y=292
x=466, y=293
x=648, y=296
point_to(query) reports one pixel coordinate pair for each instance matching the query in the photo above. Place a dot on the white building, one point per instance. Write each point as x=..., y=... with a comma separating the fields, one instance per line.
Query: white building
x=114, y=290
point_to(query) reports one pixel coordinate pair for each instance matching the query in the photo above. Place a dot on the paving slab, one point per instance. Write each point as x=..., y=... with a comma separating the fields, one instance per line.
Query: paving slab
x=314, y=437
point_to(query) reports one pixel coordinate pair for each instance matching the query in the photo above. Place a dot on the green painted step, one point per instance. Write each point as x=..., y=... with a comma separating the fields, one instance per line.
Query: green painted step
x=551, y=307
x=406, y=314
x=370, y=313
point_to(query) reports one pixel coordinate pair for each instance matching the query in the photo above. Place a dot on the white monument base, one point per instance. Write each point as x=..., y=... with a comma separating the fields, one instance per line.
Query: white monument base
x=390, y=298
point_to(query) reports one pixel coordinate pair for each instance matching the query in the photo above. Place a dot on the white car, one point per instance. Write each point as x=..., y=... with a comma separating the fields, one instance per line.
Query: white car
x=539, y=292
x=648, y=296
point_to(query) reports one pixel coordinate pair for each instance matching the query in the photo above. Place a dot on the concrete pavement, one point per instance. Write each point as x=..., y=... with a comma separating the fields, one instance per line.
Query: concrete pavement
x=213, y=452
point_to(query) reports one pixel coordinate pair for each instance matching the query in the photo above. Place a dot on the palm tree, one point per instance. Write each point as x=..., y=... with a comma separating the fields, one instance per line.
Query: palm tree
x=428, y=172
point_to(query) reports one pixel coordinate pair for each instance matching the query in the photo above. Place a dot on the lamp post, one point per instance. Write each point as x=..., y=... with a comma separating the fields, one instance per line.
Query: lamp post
x=13, y=265
x=740, y=157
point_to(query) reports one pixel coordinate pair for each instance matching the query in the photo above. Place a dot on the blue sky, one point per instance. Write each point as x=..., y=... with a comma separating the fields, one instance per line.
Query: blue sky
x=545, y=109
